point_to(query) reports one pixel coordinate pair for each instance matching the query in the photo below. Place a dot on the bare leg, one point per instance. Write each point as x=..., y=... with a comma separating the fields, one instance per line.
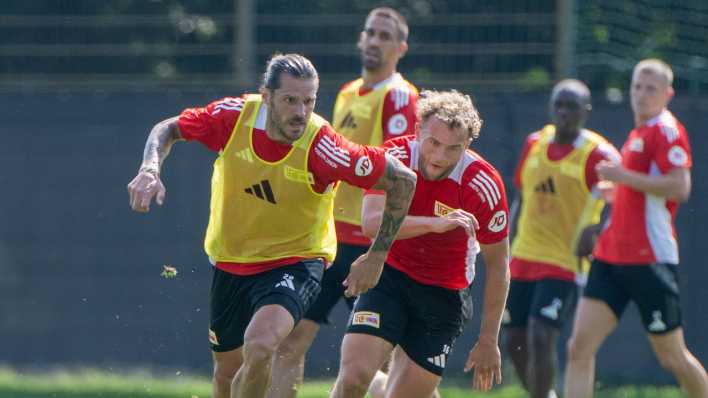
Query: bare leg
x=515, y=343
x=377, y=388
x=289, y=361
x=594, y=321
x=362, y=356
x=226, y=364
x=269, y=326
x=673, y=355
x=408, y=380
x=542, y=339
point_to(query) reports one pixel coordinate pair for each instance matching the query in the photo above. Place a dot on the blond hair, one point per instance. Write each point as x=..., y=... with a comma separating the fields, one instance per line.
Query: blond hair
x=453, y=108
x=657, y=67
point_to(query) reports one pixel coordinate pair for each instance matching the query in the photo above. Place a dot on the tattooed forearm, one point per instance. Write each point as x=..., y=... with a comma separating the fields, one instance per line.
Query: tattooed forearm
x=159, y=143
x=398, y=182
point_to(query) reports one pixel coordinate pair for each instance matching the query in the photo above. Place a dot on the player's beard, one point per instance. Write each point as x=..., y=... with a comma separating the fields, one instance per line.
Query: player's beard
x=288, y=129
x=372, y=60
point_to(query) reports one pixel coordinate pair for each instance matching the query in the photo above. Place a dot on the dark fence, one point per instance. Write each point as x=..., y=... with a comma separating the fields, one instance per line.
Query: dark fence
x=80, y=273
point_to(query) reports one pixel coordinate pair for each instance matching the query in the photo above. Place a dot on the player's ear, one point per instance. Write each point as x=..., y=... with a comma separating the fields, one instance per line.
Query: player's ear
x=670, y=92
x=360, y=42
x=265, y=93
x=402, y=48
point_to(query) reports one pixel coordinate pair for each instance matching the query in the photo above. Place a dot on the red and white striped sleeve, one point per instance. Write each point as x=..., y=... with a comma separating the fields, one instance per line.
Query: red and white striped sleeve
x=334, y=158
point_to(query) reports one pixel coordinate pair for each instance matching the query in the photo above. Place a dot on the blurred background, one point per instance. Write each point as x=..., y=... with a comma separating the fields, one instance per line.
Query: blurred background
x=82, y=82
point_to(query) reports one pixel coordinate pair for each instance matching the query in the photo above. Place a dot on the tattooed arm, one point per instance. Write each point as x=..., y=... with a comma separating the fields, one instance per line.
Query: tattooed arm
x=147, y=184
x=398, y=182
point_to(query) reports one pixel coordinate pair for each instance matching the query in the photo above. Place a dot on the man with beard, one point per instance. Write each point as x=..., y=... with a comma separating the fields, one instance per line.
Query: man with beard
x=555, y=219
x=369, y=110
x=422, y=299
x=271, y=229
x=636, y=256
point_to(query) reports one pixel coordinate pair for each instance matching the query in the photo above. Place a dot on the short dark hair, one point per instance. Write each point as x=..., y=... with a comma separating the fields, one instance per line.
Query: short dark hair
x=398, y=19
x=293, y=64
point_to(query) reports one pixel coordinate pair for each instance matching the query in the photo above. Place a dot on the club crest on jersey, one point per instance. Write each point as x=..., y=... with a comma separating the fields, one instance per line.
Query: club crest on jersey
x=397, y=124
x=498, y=221
x=636, y=145
x=677, y=156
x=441, y=210
x=363, y=167
x=367, y=318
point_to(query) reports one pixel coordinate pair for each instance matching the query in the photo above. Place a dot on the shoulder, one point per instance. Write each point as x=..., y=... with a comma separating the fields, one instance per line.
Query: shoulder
x=602, y=148
x=479, y=174
x=401, y=93
x=400, y=147
x=354, y=84
x=483, y=187
x=534, y=137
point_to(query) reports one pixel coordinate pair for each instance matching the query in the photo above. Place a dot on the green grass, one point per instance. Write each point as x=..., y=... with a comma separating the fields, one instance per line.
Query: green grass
x=93, y=383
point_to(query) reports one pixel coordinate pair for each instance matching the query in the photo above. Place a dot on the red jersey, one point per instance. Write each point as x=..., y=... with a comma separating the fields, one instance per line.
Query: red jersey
x=332, y=158
x=533, y=270
x=641, y=226
x=398, y=118
x=448, y=259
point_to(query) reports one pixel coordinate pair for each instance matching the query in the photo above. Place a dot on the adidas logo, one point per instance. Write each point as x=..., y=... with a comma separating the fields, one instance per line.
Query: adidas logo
x=439, y=360
x=348, y=122
x=551, y=311
x=245, y=154
x=546, y=186
x=657, y=325
x=286, y=282
x=262, y=191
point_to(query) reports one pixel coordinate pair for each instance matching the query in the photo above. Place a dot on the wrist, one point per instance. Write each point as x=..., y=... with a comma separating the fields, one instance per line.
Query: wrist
x=488, y=339
x=154, y=170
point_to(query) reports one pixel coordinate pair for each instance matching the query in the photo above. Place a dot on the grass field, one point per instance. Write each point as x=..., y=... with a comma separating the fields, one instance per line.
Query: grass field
x=91, y=383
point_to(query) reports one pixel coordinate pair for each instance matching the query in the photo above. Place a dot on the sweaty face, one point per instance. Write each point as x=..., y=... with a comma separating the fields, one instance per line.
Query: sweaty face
x=378, y=43
x=290, y=107
x=440, y=148
x=650, y=93
x=568, y=110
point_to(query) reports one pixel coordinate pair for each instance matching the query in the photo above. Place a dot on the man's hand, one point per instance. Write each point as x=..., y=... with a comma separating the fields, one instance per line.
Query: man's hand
x=587, y=239
x=454, y=219
x=485, y=359
x=143, y=188
x=610, y=171
x=364, y=273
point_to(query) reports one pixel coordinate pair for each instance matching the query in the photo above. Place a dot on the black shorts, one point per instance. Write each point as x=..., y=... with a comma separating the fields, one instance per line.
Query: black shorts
x=654, y=288
x=332, y=288
x=548, y=300
x=424, y=320
x=234, y=299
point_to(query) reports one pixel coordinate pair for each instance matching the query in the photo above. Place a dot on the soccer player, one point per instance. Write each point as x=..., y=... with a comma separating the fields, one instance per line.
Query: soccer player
x=636, y=256
x=422, y=299
x=271, y=229
x=559, y=205
x=369, y=110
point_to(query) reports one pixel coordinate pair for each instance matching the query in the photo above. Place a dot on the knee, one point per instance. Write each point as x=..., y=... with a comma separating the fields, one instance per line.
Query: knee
x=542, y=338
x=259, y=348
x=223, y=375
x=578, y=349
x=355, y=379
